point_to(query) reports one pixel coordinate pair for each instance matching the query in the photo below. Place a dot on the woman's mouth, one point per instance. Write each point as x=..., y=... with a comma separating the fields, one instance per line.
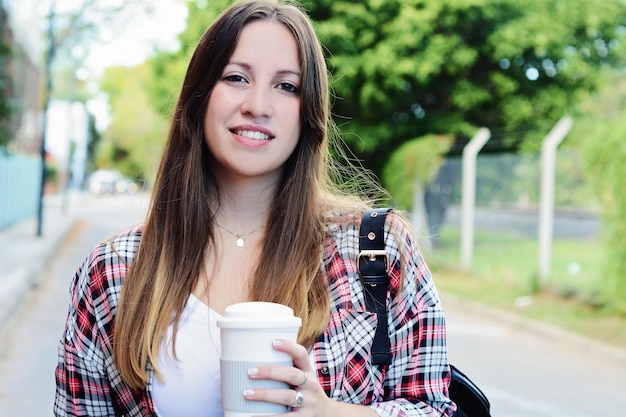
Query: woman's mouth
x=252, y=134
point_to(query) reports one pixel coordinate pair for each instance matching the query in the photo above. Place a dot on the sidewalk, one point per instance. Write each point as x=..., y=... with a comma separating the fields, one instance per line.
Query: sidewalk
x=23, y=254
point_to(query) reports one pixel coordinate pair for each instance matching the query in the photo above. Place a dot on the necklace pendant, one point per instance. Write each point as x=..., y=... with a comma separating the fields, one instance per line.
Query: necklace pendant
x=240, y=242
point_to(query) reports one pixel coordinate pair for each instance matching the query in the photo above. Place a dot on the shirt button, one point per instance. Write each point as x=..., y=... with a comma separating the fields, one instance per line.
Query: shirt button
x=325, y=370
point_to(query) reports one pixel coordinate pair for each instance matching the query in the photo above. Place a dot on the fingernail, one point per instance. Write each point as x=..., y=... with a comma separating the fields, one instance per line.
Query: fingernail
x=277, y=343
x=248, y=393
x=253, y=371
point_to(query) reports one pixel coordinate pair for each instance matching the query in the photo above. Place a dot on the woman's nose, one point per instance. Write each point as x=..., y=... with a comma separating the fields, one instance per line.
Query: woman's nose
x=257, y=103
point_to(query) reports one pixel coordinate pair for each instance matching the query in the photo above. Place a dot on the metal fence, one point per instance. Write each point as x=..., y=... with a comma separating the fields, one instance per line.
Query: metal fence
x=508, y=192
x=507, y=219
x=20, y=185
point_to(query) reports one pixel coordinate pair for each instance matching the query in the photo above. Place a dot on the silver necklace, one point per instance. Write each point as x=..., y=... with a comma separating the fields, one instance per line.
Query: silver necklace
x=240, y=239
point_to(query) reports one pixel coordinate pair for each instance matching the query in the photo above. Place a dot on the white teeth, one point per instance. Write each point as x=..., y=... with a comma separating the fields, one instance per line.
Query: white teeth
x=252, y=134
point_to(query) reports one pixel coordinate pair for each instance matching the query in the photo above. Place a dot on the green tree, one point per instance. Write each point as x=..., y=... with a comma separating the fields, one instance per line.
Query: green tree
x=133, y=141
x=599, y=132
x=416, y=160
x=406, y=68
x=72, y=28
x=6, y=109
x=169, y=67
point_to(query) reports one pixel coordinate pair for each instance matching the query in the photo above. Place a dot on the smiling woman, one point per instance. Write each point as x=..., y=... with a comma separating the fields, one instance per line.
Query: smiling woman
x=252, y=123
x=245, y=208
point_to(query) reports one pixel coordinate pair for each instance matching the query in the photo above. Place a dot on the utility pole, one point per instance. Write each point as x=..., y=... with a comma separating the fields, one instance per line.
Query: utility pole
x=47, y=94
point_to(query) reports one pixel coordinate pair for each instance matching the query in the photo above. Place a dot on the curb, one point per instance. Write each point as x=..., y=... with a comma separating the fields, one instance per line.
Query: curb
x=542, y=328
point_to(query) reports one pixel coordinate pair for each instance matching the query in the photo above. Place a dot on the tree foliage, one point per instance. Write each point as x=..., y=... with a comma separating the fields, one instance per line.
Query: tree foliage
x=600, y=133
x=6, y=108
x=135, y=137
x=406, y=68
x=73, y=28
x=169, y=67
x=416, y=160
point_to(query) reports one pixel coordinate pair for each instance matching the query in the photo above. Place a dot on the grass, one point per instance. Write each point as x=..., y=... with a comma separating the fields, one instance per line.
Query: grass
x=503, y=275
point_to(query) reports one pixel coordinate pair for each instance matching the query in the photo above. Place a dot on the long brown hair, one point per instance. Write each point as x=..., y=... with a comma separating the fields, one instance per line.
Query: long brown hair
x=180, y=225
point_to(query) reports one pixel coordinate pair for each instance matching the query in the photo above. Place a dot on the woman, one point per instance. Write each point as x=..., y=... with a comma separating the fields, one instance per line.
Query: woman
x=243, y=210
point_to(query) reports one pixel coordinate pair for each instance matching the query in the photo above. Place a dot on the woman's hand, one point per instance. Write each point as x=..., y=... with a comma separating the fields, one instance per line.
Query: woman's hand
x=306, y=397
x=301, y=377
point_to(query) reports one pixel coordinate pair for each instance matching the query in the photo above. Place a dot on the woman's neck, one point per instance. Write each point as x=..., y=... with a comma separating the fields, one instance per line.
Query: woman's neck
x=245, y=204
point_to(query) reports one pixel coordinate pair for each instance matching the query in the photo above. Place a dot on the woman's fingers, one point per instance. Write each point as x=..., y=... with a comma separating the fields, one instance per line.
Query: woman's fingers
x=297, y=352
x=305, y=394
x=292, y=376
x=287, y=397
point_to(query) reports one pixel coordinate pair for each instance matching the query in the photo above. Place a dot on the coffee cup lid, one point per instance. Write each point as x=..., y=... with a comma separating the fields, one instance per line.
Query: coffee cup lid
x=258, y=314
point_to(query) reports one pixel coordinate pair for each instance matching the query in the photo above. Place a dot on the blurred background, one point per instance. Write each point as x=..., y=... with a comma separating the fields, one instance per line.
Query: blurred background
x=499, y=125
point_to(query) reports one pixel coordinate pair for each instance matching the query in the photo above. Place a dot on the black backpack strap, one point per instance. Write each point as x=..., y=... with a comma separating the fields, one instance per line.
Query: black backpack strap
x=373, y=265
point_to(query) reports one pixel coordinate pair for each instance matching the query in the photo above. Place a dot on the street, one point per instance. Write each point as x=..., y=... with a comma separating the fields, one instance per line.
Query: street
x=528, y=372
x=524, y=373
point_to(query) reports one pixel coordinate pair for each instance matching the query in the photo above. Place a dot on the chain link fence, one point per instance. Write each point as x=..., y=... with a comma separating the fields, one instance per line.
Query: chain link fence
x=506, y=222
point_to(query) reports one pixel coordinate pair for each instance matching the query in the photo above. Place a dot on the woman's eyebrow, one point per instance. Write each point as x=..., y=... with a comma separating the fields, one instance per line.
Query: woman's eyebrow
x=290, y=72
x=248, y=67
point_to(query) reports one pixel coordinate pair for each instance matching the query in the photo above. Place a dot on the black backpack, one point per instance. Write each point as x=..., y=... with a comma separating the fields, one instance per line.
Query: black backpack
x=372, y=264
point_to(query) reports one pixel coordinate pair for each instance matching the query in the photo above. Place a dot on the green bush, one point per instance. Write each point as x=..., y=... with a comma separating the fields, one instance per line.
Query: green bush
x=606, y=160
x=416, y=160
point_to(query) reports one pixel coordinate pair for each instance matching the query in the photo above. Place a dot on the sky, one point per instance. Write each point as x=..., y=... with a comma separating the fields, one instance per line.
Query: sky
x=135, y=43
x=131, y=43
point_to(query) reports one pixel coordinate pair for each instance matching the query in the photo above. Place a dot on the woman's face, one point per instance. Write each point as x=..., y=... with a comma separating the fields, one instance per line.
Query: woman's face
x=252, y=122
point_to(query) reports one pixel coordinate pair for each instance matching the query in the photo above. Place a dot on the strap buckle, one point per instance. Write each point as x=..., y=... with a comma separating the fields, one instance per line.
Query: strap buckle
x=372, y=255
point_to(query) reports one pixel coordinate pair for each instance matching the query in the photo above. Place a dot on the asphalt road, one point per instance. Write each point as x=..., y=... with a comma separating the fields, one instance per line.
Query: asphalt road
x=524, y=372
x=532, y=370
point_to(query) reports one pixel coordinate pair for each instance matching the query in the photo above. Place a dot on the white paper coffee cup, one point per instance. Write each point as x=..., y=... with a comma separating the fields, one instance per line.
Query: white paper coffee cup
x=247, y=331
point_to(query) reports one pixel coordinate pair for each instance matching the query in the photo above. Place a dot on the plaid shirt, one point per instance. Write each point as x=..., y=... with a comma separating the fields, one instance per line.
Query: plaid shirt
x=415, y=384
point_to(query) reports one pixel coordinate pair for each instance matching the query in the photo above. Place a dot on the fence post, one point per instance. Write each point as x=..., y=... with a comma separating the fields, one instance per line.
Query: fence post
x=468, y=195
x=546, y=202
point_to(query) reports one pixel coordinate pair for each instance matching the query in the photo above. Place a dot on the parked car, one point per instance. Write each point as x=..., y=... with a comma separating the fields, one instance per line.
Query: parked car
x=126, y=186
x=107, y=181
x=103, y=181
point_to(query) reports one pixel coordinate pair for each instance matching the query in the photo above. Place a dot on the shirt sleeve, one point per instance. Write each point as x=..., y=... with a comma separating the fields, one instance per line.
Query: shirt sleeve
x=82, y=386
x=418, y=377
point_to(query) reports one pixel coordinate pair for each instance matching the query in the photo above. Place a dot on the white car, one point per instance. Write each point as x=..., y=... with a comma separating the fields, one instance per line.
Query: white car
x=103, y=181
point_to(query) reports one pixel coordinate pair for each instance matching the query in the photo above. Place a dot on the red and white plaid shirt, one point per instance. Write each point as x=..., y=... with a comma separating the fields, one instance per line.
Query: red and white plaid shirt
x=88, y=384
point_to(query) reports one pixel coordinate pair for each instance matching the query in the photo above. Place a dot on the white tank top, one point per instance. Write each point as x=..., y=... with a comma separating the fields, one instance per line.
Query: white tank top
x=191, y=385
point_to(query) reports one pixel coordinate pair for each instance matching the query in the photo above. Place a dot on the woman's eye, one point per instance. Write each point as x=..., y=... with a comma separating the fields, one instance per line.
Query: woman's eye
x=288, y=87
x=234, y=78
